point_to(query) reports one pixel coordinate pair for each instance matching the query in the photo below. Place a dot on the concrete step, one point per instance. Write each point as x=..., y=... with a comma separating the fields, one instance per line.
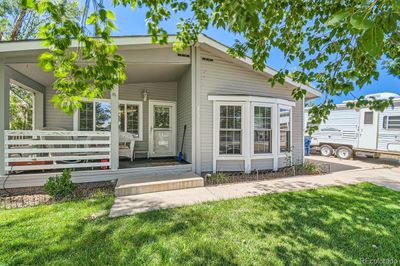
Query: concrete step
x=127, y=186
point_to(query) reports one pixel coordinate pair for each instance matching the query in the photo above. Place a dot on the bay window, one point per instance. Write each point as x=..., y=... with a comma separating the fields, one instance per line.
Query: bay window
x=284, y=125
x=230, y=130
x=262, y=120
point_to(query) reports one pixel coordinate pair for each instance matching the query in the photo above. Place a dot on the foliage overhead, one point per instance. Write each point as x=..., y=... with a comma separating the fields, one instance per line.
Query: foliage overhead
x=337, y=45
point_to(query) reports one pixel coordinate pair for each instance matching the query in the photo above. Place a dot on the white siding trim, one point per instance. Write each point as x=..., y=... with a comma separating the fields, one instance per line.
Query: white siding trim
x=240, y=98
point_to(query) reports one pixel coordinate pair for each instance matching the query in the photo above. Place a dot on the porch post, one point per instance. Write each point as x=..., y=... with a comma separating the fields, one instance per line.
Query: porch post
x=4, y=113
x=114, y=128
x=38, y=110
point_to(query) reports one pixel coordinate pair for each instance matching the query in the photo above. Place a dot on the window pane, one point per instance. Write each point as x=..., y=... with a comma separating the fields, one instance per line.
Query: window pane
x=103, y=116
x=230, y=129
x=284, y=124
x=132, y=116
x=368, y=118
x=393, y=122
x=121, y=117
x=161, y=116
x=86, y=117
x=262, y=130
x=262, y=141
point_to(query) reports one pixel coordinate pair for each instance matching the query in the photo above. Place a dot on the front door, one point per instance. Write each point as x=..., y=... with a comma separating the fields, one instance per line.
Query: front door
x=162, y=128
x=368, y=129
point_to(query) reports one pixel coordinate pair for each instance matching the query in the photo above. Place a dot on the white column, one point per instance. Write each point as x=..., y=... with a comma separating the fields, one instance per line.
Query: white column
x=275, y=136
x=246, y=149
x=4, y=113
x=114, y=128
x=38, y=110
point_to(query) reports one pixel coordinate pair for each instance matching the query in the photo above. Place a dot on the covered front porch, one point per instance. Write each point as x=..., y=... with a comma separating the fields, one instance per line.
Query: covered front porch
x=138, y=125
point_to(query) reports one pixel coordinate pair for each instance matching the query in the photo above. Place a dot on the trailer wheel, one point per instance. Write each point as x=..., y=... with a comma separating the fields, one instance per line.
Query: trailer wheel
x=344, y=152
x=326, y=150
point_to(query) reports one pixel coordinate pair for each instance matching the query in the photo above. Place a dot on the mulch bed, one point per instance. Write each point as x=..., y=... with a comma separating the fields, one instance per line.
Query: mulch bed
x=259, y=175
x=33, y=196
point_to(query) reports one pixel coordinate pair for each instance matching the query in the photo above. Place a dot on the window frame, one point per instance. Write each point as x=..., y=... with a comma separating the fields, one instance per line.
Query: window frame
x=252, y=129
x=217, y=127
x=125, y=102
x=385, y=122
x=278, y=116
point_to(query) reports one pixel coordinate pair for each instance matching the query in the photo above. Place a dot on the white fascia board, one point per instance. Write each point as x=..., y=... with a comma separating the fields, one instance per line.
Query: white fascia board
x=223, y=48
x=15, y=46
x=240, y=98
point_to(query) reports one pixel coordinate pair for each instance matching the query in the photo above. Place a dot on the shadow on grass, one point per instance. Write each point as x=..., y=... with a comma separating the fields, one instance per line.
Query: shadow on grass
x=325, y=226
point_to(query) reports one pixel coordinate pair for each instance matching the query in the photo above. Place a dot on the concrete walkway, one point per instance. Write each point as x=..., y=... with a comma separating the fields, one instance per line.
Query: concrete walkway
x=388, y=177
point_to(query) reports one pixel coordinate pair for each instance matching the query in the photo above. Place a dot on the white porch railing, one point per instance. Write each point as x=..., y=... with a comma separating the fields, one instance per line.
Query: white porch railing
x=27, y=150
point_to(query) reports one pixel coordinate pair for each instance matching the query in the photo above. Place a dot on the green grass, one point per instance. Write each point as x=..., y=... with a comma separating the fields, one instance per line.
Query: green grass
x=337, y=225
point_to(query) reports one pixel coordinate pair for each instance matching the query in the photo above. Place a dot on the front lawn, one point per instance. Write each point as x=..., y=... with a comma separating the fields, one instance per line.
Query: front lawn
x=337, y=225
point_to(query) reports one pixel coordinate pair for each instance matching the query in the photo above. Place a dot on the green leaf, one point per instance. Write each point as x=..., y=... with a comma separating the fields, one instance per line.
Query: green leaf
x=360, y=21
x=372, y=41
x=338, y=18
x=110, y=15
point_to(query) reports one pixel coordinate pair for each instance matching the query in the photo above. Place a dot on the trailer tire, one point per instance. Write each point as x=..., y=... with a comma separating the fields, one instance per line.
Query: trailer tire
x=344, y=152
x=326, y=150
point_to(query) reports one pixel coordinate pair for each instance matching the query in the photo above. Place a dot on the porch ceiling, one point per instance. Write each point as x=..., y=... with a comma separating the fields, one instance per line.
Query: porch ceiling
x=137, y=73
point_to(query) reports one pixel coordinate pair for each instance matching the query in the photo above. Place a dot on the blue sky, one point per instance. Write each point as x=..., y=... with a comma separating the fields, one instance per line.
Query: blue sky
x=133, y=23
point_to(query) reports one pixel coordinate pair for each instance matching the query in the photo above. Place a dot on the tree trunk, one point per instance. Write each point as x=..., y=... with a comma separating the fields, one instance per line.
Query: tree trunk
x=17, y=26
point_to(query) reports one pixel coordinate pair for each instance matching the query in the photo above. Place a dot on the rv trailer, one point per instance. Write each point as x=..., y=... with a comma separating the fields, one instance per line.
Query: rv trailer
x=362, y=131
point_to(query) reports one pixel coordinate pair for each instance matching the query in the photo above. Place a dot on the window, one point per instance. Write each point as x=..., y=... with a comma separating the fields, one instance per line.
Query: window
x=96, y=116
x=262, y=130
x=284, y=124
x=103, y=116
x=368, y=118
x=86, y=117
x=230, y=132
x=391, y=122
x=129, y=118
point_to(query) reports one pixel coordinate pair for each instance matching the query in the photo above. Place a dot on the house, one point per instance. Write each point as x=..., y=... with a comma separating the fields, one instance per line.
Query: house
x=235, y=120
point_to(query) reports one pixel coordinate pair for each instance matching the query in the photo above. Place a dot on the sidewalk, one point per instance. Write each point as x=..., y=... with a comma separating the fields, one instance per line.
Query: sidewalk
x=388, y=177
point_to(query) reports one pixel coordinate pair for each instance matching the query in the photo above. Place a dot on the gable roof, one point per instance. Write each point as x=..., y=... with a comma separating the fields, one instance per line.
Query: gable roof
x=145, y=40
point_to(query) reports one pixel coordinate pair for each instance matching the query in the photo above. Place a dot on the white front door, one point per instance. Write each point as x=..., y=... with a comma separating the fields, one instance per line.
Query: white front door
x=368, y=129
x=162, y=128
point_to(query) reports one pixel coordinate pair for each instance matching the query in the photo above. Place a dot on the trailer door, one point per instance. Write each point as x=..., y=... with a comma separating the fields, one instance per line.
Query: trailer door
x=368, y=129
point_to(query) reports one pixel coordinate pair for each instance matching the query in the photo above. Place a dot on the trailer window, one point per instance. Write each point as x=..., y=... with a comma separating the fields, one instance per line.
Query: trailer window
x=368, y=118
x=391, y=122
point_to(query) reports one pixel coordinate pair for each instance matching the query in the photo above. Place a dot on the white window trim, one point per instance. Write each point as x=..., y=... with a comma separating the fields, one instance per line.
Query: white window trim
x=217, y=128
x=273, y=122
x=291, y=131
x=248, y=103
x=139, y=103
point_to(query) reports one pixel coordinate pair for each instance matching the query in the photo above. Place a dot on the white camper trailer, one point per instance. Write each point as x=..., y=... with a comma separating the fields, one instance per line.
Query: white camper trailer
x=349, y=131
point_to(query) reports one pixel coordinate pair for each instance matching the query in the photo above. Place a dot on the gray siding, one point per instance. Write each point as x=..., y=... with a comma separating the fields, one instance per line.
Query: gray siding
x=261, y=164
x=132, y=92
x=184, y=110
x=226, y=78
x=55, y=117
x=226, y=166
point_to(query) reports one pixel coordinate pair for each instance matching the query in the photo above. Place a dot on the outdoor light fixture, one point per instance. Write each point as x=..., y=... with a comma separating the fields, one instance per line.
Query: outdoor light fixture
x=145, y=95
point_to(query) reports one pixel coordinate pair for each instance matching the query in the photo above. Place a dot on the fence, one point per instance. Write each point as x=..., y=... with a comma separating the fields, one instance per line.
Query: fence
x=27, y=150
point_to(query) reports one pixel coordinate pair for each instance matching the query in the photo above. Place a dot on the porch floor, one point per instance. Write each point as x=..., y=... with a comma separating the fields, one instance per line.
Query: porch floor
x=153, y=162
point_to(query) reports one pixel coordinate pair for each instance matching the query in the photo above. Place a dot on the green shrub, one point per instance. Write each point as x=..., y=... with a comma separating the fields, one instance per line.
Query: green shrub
x=218, y=177
x=61, y=186
x=308, y=169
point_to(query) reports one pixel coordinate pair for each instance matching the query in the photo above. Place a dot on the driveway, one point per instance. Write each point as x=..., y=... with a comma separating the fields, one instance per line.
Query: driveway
x=343, y=173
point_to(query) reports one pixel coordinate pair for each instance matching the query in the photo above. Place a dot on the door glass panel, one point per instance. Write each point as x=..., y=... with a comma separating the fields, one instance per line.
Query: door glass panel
x=86, y=117
x=162, y=142
x=161, y=116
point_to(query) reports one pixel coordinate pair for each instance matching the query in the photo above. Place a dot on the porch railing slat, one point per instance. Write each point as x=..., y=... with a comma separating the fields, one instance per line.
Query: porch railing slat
x=45, y=150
